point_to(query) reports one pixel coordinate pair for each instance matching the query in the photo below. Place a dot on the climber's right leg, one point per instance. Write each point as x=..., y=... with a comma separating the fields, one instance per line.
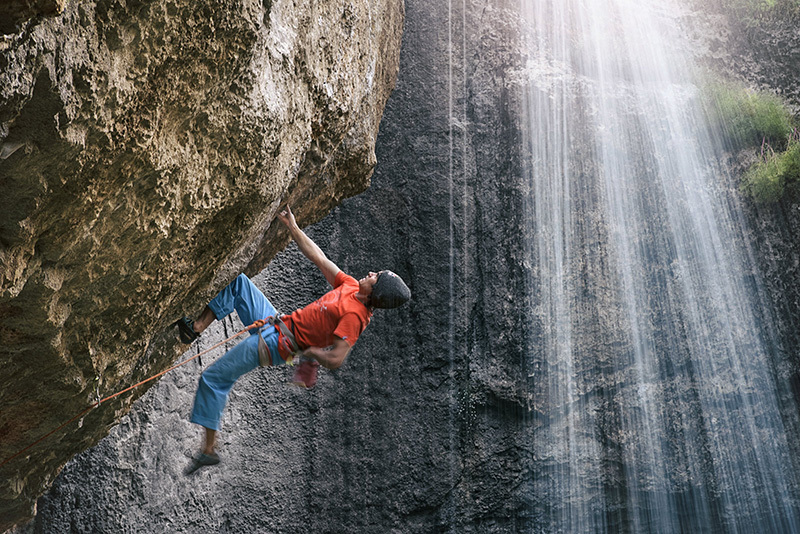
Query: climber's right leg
x=241, y=295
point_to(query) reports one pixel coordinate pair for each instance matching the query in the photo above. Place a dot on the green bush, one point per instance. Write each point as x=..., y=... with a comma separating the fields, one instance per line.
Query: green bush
x=746, y=117
x=767, y=180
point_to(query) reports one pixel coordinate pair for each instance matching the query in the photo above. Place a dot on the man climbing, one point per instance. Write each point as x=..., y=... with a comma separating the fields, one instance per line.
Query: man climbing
x=322, y=333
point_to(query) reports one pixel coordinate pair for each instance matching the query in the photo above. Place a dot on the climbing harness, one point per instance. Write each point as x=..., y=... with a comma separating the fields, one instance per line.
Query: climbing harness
x=288, y=339
x=257, y=324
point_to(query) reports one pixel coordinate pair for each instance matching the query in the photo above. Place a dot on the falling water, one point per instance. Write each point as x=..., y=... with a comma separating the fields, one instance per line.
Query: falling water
x=657, y=405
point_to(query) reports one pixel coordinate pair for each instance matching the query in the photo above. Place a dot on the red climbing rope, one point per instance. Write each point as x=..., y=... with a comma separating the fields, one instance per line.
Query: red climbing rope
x=257, y=324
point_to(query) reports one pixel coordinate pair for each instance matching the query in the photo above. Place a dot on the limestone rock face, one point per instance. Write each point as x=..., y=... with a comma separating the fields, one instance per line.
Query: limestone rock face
x=433, y=424
x=144, y=150
x=423, y=428
x=762, y=50
x=14, y=13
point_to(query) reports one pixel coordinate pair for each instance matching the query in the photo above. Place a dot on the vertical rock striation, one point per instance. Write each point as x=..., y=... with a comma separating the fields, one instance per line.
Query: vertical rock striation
x=144, y=149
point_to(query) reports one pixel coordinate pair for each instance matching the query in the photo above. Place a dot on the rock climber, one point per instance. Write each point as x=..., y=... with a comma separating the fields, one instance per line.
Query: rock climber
x=322, y=333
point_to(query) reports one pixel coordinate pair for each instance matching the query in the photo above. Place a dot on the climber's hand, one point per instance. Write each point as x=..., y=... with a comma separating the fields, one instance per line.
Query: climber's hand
x=287, y=217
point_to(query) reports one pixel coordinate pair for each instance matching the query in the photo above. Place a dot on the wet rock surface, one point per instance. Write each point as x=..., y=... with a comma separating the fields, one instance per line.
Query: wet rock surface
x=763, y=52
x=144, y=150
x=432, y=423
x=760, y=49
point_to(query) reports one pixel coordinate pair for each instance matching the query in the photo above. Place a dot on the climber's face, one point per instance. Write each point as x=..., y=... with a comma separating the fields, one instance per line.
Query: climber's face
x=365, y=284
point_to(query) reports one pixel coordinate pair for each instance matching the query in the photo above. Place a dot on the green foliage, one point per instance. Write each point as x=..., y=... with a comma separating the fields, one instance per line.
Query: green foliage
x=748, y=117
x=767, y=180
x=757, y=119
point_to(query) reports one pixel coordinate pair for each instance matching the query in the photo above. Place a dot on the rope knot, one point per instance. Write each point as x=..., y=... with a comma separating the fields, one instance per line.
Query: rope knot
x=259, y=323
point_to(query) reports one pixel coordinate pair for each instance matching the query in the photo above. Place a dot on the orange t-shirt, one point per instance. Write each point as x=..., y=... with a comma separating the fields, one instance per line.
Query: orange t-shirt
x=337, y=313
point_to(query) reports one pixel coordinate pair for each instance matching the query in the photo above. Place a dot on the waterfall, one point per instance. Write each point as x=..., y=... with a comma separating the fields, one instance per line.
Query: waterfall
x=657, y=404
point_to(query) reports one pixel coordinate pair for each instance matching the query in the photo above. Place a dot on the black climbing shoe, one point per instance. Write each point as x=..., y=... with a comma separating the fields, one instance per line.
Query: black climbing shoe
x=201, y=461
x=186, y=331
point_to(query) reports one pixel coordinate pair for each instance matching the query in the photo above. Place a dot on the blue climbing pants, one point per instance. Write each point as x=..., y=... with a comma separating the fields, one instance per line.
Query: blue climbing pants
x=216, y=381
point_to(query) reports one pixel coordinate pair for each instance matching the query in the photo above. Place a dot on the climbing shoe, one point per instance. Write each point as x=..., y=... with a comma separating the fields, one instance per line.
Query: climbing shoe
x=186, y=330
x=201, y=461
x=305, y=373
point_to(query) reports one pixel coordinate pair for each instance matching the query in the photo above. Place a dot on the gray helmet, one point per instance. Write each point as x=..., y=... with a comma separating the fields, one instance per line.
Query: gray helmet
x=389, y=291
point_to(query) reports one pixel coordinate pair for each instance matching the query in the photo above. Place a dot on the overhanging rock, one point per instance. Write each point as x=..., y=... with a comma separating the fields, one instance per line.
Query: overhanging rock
x=144, y=150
